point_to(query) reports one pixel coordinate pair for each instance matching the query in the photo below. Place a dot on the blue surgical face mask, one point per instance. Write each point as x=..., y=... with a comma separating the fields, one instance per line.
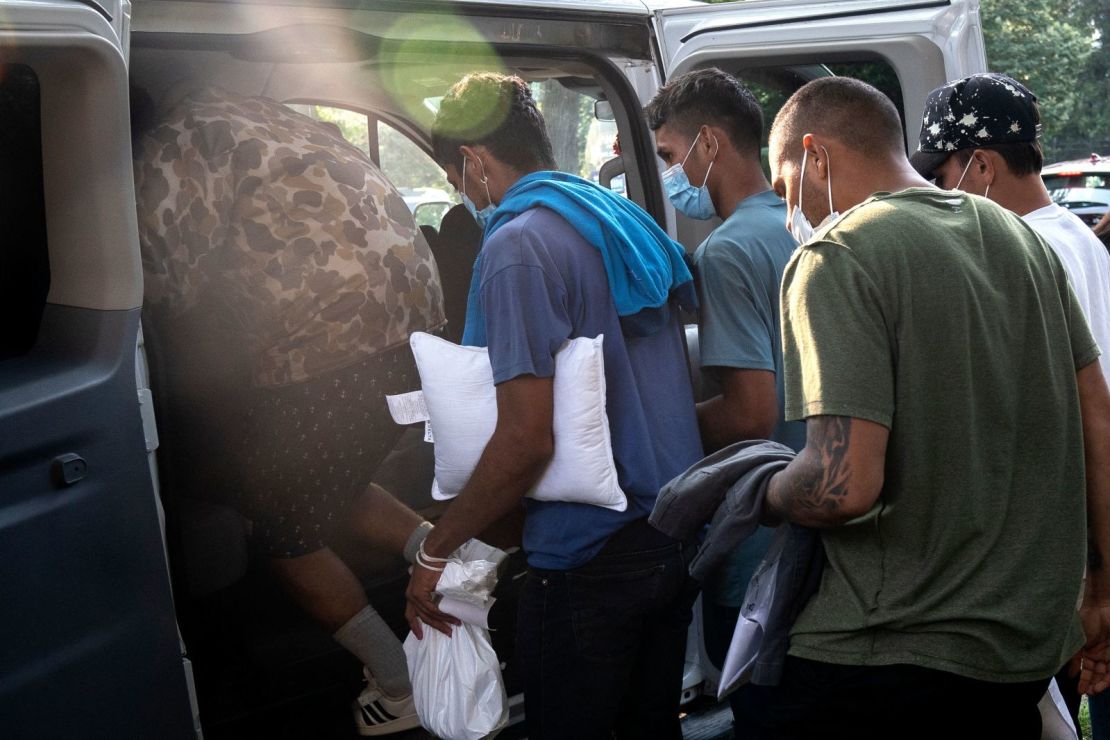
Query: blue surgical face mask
x=686, y=198
x=800, y=226
x=483, y=215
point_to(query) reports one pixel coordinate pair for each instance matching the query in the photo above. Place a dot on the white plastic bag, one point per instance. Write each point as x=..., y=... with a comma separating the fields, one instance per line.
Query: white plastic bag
x=470, y=574
x=456, y=683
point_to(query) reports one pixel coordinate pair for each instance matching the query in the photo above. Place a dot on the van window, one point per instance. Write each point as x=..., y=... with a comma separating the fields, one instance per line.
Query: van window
x=414, y=173
x=772, y=86
x=24, y=261
x=421, y=182
x=581, y=142
x=354, y=126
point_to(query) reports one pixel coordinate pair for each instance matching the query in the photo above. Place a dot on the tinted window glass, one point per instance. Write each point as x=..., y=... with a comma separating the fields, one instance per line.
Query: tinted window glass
x=24, y=262
x=1061, y=182
x=354, y=126
x=772, y=86
x=581, y=142
x=415, y=174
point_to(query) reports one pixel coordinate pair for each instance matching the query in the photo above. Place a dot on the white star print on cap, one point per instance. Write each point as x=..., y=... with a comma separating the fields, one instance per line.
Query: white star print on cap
x=977, y=111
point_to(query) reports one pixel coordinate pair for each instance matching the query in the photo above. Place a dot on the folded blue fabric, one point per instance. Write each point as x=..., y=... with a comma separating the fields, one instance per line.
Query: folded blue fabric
x=643, y=264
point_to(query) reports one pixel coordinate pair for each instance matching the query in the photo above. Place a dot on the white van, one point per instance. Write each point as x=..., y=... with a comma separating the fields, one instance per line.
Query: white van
x=89, y=619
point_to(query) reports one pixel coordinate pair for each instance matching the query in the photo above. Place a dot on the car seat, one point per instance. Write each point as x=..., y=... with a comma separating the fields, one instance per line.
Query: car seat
x=455, y=248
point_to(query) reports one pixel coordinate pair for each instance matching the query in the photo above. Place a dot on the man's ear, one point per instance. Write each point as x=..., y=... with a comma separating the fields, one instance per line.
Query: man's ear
x=985, y=164
x=711, y=138
x=817, y=155
x=477, y=164
x=466, y=152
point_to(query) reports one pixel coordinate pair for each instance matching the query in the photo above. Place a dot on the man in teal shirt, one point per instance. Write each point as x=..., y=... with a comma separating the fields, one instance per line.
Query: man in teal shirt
x=708, y=128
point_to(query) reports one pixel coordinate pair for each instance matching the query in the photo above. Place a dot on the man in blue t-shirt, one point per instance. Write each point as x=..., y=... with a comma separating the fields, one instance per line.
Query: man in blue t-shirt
x=708, y=128
x=607, y=600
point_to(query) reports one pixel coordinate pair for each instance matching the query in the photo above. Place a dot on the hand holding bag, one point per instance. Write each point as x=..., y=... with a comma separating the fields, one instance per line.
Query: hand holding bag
x=456, y=681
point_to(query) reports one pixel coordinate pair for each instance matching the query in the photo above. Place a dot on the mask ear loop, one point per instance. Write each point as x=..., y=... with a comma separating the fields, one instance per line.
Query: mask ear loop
x=716, y=150
x=690, y=151
x=801, y=178
x=828, y=166
x=964, y=174
x=485, y=183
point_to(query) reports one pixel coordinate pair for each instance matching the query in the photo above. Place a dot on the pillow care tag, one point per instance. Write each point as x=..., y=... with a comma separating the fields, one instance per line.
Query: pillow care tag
x=428, y=432
x=408, y=408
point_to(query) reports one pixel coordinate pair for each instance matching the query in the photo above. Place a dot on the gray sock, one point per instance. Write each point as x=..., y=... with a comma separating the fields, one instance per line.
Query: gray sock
x=416, y=539
x=371, y=640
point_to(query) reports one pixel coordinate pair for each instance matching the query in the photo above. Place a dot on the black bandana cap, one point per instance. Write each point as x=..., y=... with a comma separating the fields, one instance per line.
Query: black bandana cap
x=974, y=112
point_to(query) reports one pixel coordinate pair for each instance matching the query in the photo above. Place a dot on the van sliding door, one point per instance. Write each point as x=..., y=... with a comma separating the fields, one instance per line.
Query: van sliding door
x=90, y=645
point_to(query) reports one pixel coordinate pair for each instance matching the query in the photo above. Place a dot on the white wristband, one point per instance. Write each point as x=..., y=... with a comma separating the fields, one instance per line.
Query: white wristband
x=427, y=561
x=421, y=553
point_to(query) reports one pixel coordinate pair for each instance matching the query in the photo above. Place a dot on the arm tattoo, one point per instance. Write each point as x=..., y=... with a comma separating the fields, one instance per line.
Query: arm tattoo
x=820, y=488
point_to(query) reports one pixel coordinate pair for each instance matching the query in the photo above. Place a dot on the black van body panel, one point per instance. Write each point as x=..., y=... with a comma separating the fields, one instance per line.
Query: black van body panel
x=89, y=644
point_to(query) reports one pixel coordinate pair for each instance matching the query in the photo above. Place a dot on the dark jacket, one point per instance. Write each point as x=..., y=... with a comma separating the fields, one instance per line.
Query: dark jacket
x=727, y=491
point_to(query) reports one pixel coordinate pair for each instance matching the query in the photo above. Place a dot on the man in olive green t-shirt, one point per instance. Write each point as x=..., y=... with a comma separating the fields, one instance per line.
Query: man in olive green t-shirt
x=952, y=391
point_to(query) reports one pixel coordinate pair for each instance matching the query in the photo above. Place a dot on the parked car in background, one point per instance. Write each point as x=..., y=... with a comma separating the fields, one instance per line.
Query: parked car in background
x=428, y=205
x=1081, y=185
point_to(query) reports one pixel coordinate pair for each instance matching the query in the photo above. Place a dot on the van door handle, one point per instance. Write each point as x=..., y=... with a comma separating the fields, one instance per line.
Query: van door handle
x=68, y=469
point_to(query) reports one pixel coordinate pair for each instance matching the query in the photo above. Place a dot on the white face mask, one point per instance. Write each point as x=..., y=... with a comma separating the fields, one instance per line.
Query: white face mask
x=964, y=174
x=800, y=226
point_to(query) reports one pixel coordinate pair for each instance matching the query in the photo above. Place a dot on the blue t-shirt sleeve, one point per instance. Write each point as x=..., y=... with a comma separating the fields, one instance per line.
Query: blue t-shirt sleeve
x=527, y=319
x=736, y=321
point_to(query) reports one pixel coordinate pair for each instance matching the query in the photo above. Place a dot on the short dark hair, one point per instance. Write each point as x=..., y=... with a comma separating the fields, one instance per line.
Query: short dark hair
x=709, y=96
x=495, y=111
x=836, y=106
x=1022, y=158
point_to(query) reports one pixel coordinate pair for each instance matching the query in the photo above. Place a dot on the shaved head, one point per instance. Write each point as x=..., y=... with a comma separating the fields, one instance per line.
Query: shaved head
x=852, y=136
x=852, y=112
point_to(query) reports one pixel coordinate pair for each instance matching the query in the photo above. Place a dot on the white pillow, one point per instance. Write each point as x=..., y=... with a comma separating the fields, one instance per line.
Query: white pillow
x=462, y=405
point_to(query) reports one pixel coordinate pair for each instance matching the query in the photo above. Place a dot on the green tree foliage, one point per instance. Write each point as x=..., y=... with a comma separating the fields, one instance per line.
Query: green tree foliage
x=568, y=115
x=1047, y=45
x=1091, y=115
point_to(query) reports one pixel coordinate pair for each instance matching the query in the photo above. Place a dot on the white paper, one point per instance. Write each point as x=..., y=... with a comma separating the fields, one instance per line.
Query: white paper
x=408, y=408
x=747, y=636
x=467, y=612
x=1056, y=721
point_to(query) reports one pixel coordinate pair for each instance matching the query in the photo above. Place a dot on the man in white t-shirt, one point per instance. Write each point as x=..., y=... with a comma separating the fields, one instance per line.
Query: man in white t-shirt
x=980, y=135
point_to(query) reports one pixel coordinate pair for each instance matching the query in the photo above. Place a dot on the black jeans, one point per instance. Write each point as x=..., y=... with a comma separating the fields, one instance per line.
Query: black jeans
x=823, y=700
x=602, y=646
